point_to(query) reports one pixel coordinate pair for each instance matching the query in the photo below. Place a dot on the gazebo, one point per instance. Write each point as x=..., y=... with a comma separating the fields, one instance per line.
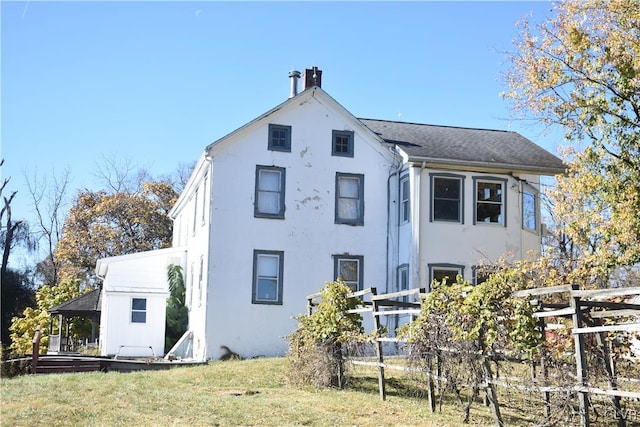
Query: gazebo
x=87, y=306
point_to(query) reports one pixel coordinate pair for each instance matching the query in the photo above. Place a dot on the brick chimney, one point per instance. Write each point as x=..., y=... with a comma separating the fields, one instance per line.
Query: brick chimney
x=311, y=77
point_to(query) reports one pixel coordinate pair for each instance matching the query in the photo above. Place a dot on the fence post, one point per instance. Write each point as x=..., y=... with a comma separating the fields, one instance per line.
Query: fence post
x=544, y=371
x=36, y=351
x=376, y=325
x=581, y=360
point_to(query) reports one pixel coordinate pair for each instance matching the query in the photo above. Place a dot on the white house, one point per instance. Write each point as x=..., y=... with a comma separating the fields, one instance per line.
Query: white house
x=307, y=192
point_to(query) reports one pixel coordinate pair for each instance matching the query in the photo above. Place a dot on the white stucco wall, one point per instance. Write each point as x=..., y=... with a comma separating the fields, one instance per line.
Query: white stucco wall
x=308, y=235
x=469, y=244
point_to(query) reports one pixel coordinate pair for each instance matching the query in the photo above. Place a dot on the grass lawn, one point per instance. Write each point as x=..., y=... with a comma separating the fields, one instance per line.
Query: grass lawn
x=249, y=392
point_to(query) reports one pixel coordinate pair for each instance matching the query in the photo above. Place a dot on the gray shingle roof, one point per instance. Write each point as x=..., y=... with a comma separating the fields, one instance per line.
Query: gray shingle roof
x=84, y=305
x=466, y=146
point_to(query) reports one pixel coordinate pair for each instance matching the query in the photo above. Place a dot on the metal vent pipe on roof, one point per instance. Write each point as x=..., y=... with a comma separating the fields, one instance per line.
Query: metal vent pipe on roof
x=294, y=75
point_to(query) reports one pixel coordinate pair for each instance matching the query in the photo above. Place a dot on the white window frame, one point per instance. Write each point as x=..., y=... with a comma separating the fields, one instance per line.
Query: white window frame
x=502, y=218
x=204, y=199
x=137, y=310
x=258, y=212
x=355, y=285
x=454, y=269
x=528, y=190
x=405, y=200
x=258, y=275
x=359, y=200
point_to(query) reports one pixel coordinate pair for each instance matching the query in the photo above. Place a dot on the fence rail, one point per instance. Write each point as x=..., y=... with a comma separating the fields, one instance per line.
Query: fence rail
x=580, y=303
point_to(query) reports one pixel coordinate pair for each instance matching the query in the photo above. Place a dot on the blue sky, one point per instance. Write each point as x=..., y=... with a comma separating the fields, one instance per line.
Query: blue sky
x=155, y=82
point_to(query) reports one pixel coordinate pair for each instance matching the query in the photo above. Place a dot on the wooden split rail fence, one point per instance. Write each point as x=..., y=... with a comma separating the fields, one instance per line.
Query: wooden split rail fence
x=579, y=304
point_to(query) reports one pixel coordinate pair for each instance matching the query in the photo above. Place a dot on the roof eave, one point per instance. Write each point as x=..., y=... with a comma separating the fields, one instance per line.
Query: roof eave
x=485, y=166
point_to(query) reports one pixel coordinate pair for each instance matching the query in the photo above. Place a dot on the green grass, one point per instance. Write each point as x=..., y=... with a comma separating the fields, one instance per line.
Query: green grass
x=250, y=392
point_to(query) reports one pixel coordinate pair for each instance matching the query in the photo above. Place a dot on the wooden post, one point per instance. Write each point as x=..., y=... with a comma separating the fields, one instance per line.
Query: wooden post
x=376, y=325
x=581, y=360
x=431, y=389
x=611, y=377
x=36, y=351
x=544, y=371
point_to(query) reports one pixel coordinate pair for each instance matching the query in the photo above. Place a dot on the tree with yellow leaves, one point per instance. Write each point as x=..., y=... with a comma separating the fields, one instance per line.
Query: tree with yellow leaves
x=102, y=224
x=580, y=69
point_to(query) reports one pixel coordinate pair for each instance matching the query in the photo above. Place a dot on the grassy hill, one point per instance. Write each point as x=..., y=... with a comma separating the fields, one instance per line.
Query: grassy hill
x=249, y=392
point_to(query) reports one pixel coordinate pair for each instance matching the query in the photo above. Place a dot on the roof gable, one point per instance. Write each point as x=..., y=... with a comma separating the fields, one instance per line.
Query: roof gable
x=457, y=146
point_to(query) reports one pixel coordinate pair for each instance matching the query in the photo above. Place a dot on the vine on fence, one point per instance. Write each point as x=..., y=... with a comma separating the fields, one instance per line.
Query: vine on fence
x=316, y=347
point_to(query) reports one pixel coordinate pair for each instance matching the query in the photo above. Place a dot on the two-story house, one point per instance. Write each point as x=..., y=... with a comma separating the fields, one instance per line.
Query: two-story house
x=307, y=192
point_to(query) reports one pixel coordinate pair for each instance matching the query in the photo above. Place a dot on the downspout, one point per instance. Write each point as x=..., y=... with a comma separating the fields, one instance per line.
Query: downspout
x=417, y=221
x=388, y=261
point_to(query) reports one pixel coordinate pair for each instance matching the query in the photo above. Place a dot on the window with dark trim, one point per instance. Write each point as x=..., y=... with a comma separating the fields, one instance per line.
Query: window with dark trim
x=195, y=211
x=405, y=200
x=269, y=195
x=279, y=138
x=138, y=310
x=403, y=280
x=349, y=268
x=480, y=273
x=443, y=271
x=447, y=192
x=349, y=199
x=267, y=277
x=490, y=200
x=342, y=143
x=529, y=208
x=204, y=198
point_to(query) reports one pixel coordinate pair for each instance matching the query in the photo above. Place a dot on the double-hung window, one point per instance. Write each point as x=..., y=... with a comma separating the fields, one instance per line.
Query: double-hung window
x=348, y=268
x=448, y=272
x=529, y=208
x=267, y=277
x=446, y=197
x=349, y=199
x=279, y=138
x=138, y=310
x=195, y=211
x=342, y=143
x=269, y=196
x=490, y=203
x=405, y=203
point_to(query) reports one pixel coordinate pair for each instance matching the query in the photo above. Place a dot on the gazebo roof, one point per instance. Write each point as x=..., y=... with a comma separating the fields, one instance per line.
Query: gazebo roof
x=84, y=305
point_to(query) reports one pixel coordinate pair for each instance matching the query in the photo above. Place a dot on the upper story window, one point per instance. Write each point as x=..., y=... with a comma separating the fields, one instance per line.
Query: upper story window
x=490, y=201
x=269, y=195
x=349, y=269
x=342, y=143
x=204, y=198
x=349, y=199
x=529, y=208
x=138, y=310
x=279, y=138
x=195, y=210
x=446, y=197
x=440, y=272
x=267, y=277
x=405, y=203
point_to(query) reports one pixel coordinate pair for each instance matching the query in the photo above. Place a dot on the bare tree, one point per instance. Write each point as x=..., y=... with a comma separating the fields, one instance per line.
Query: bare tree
x=49, y=197
x=121, y=175
x=13, y=232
